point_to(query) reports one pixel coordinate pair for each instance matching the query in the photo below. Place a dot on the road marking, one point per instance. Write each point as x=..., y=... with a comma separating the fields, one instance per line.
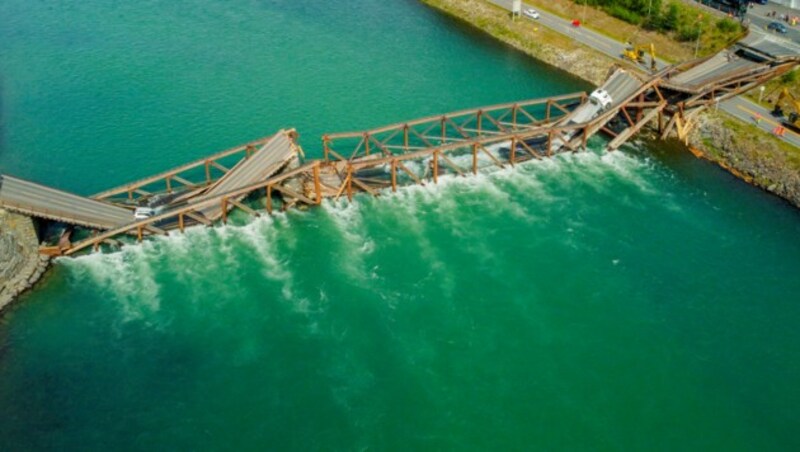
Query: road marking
x=768, y=121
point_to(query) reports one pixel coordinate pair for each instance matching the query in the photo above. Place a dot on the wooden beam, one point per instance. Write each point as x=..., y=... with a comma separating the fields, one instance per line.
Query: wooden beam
x=452, y=165
x=218, y=166
x=198, y=218
x=394, y=175
x=435, y=167
x=245, y=208
x=365, y=187
x=317, y=185
x=293, y=194
x=494, y=159
x=410, y=173
x=224, y=208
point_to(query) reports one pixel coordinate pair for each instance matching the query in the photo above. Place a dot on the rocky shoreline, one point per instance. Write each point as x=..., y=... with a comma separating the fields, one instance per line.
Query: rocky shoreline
x=745, y=151
x=21, y=265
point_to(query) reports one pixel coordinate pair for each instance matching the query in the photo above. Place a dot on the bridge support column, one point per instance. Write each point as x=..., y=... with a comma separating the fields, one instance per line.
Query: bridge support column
x=317, y=185
x=435, y=167
x=349, y=182
x=394, y=175
x=474, y=159
x=585, y=138
x=514, y=110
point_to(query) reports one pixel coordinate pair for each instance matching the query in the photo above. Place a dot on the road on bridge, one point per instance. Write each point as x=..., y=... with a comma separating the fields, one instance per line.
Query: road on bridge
x=739, y=107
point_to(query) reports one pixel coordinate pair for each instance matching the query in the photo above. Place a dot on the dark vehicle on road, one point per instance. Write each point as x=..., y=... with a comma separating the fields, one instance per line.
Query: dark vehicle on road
x=777, y=27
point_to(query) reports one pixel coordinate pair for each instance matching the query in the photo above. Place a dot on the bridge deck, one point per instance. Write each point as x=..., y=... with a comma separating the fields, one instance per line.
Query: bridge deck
x=621, y=86
x=771, y=46
x=44, y=202
x=265, y=162
x=717, y=67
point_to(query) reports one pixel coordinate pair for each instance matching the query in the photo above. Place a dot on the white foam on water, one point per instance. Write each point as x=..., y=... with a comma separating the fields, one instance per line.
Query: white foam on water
x=129, y=275
x=125, y=277
x=346, y=216
x=263, y=235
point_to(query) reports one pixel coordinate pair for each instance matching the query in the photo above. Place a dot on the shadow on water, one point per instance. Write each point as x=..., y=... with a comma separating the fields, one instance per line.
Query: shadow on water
x=2, y=118
x=480, y=38
x=710, y=178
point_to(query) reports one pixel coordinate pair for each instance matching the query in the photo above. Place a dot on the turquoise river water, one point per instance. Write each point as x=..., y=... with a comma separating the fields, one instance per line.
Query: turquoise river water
x=640, y=300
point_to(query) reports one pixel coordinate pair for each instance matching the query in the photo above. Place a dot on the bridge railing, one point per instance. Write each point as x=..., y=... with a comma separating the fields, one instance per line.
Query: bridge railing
x=455, y=127
x=189, y=176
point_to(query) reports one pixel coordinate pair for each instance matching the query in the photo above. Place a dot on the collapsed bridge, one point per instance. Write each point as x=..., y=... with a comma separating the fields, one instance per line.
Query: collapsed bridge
x=413, y=152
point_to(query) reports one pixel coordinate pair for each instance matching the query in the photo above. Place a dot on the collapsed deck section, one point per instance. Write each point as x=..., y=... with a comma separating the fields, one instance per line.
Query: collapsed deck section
x=274, y=155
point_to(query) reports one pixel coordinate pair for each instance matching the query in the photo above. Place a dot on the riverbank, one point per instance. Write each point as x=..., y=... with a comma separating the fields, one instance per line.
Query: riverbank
x=742, y=149
x=539, y=42
x=21, y=265
x=749, y=153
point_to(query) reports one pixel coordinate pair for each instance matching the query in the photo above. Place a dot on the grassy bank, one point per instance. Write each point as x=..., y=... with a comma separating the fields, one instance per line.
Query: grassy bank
x=675, y=42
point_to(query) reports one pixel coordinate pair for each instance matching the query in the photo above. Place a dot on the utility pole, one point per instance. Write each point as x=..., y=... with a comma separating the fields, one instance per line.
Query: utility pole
x=699, y=32
x=583, y=19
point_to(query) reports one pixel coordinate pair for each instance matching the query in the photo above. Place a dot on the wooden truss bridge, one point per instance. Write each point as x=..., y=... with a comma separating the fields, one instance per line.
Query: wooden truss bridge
x=421, y=151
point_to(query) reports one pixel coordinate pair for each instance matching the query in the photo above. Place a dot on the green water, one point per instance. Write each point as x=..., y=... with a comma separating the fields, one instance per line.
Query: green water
x=641, y=300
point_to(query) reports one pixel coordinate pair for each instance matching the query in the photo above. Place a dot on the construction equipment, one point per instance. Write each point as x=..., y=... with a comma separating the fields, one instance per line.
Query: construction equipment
x=636, y=53
x=786, y=98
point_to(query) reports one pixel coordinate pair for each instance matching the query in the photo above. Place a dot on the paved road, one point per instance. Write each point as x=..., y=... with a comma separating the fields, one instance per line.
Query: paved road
x=758, y=16
x=44, y=202
x=740, y=107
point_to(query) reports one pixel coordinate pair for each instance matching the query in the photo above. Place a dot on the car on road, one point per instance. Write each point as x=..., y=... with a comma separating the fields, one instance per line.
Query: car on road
x=143, y=213
x=532, y=13
x=777, y=27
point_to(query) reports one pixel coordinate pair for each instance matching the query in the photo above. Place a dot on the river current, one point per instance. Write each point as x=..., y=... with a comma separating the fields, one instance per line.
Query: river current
x=635, y=300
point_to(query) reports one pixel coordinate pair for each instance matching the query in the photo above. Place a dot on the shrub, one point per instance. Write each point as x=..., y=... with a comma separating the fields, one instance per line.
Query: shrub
x=790, y=77
x=621, y=13
x=727, y=26
x=671, y=17
x=688, y=33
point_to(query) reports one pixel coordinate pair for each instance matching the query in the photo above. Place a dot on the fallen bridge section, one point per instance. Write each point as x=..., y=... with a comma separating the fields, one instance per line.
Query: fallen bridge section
x=185, y=180
x=267, y=161
x=38, y=201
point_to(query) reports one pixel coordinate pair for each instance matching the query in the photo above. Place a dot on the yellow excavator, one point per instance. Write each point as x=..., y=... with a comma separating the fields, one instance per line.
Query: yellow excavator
x=792, y=120
x=636, y=53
